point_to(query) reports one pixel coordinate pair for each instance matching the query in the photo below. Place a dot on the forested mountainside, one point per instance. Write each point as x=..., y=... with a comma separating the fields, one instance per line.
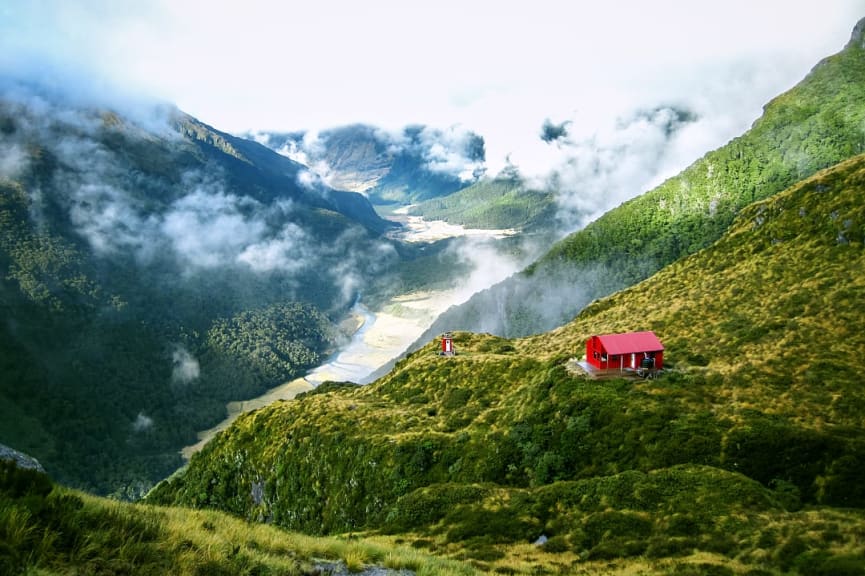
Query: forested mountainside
x=494, y=203
x=152, y=270
x=411, y=165
x=745, y=455
x=812, y=126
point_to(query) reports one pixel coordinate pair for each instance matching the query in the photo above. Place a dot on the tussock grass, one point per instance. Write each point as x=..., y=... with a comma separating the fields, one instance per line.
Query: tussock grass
x=47, y=529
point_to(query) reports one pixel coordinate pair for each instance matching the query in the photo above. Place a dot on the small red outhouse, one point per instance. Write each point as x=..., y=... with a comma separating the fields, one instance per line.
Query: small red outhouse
x=447, y=344
x=634, y=350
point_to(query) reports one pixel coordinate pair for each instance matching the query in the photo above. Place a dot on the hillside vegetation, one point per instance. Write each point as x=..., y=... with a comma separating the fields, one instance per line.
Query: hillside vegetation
x=745, y=457
x=47, y=529
x=814, y=125
x=493, y=204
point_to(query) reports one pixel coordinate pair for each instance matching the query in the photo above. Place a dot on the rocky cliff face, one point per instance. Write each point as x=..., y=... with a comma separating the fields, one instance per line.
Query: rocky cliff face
x=21, y=460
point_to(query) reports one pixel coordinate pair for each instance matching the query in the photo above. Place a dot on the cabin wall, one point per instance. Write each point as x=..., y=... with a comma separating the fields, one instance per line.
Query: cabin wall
x=597, y=356
x=594, y=352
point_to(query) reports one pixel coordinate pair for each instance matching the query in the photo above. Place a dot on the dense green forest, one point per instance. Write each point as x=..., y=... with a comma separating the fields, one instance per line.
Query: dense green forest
x=746, y=453
x=149, y=275
x=812, y=126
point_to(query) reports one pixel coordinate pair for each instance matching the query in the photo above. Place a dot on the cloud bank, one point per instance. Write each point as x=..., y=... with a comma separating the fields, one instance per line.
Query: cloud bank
x=195, y=220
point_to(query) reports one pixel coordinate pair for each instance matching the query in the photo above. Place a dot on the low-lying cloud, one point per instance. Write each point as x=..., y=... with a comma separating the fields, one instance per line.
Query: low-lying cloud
x=198, y=222
x=614, y=163
x=454, y=151
x=488, y=265
x=13, y=160
x=209, y=228
x=590, y=162
x=184, y=366
x=142, y=422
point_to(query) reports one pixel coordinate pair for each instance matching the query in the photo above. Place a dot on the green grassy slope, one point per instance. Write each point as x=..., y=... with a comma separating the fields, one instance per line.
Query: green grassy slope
x=493, y=204
x=778, y=293
x=47, y=529
x=812, y=126
x=482, y=453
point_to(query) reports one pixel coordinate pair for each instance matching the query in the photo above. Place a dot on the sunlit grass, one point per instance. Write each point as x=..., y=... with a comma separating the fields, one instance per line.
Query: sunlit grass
x=79, y=533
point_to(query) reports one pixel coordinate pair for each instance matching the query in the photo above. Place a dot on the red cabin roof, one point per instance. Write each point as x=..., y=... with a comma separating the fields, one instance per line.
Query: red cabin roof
x=631, y=343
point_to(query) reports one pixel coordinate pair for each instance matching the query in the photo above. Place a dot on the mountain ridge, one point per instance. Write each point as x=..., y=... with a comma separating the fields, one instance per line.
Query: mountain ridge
x=744, y=457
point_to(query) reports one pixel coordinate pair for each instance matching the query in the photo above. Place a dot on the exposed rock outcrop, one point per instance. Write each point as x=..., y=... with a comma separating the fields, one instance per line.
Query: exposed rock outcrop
x=21, y=459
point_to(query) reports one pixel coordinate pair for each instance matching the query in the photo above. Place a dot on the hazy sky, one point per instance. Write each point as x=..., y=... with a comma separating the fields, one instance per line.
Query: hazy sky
x=498, y=67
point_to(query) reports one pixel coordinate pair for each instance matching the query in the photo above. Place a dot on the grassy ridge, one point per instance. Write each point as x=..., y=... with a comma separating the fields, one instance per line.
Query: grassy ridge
x=813, y=126
x=47, y=529
x=686, y=519
x=752, y=423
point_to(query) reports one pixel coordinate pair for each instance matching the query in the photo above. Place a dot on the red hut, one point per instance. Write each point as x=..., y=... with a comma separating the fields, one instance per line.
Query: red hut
x=631, y=351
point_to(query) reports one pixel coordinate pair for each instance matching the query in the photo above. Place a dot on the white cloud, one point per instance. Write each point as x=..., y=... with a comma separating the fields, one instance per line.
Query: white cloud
x=496, y=68
x=313, y=179
x=287, y=252
x=451, y=151
x=597, y=171
x=142, y=422
x=185, y=367
x=260, y=64
x=13, y=160
x=105, y=216
x=488, y=265
x=208, y=229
